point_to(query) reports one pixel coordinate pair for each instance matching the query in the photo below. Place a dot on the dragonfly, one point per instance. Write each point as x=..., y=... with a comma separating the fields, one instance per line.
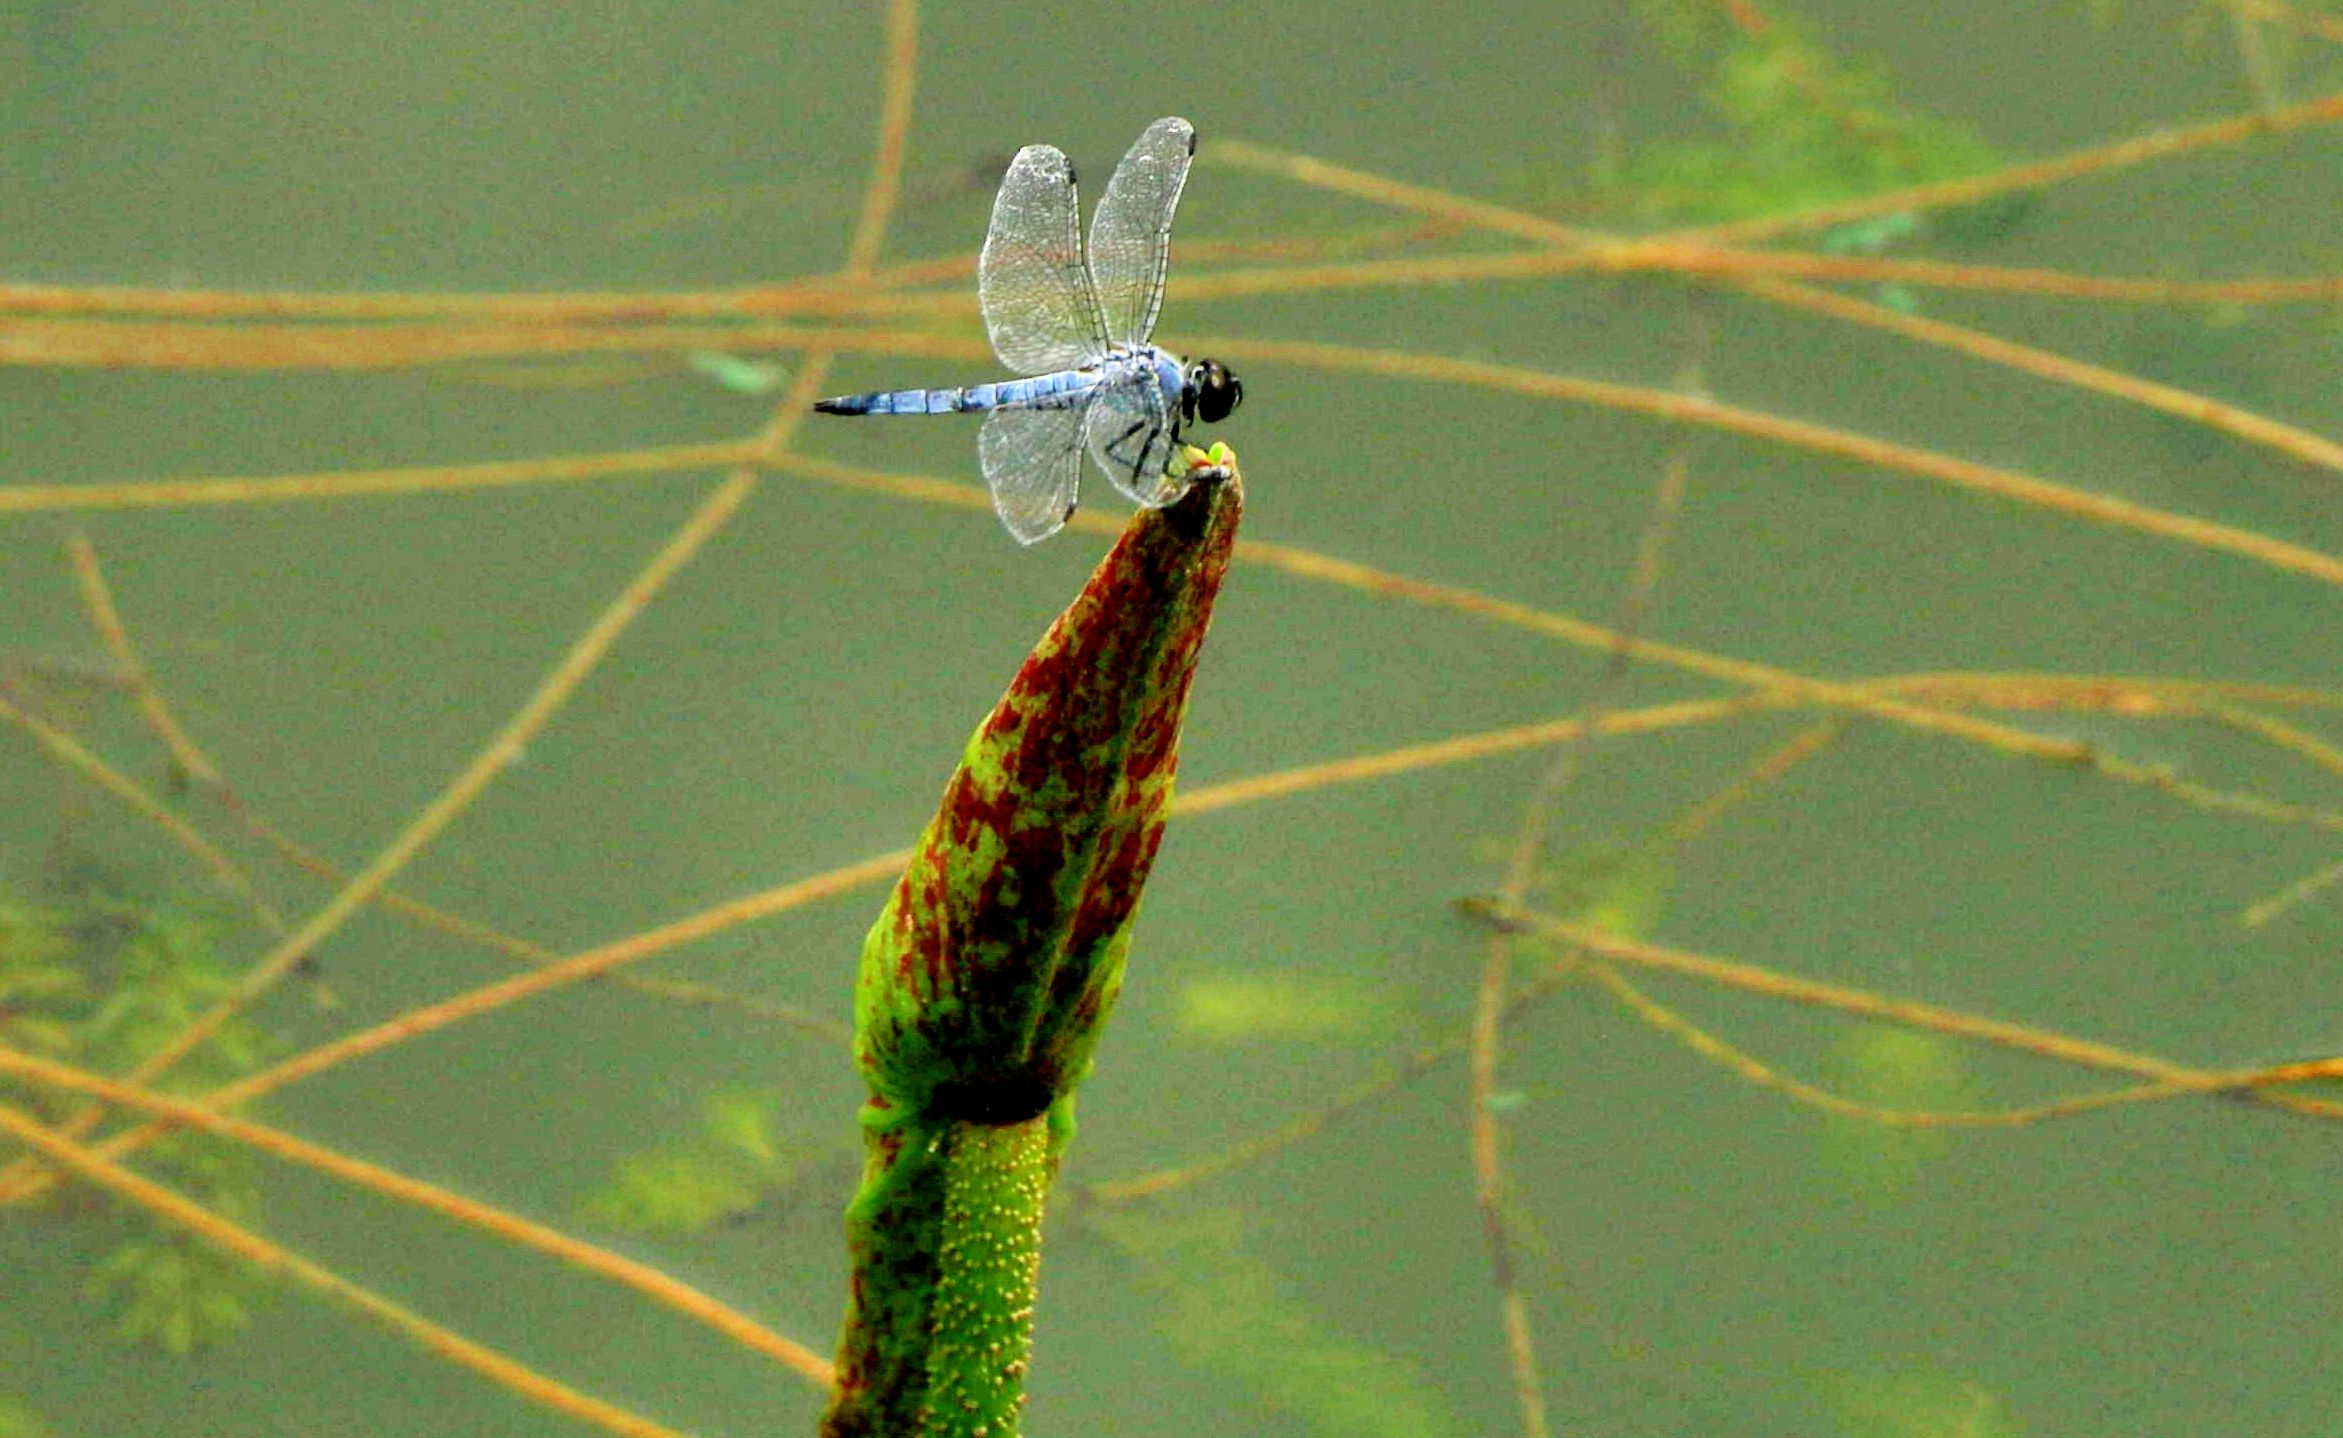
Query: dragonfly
x=1075, y=321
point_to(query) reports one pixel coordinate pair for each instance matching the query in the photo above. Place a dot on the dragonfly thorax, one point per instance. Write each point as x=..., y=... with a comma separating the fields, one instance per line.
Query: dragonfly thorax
x=1205, y=391
x=1169, y=379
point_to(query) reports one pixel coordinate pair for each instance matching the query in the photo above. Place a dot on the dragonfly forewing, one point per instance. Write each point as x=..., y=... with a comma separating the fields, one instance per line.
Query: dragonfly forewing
x=1038, y=304
x=1130, y=237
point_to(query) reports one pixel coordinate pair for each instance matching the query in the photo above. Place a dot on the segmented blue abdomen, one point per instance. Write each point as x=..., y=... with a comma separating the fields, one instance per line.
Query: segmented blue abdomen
x=1047, y=391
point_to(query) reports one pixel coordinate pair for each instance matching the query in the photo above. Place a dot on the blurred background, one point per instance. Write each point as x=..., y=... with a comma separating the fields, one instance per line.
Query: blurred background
x=1693, y=1251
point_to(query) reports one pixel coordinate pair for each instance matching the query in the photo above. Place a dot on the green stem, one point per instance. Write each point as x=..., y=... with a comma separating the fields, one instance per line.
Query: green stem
x=945, y=1242
x=990, y=1264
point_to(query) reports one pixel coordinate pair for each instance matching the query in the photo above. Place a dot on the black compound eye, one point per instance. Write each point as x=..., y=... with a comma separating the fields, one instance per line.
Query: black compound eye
x=1217, y=391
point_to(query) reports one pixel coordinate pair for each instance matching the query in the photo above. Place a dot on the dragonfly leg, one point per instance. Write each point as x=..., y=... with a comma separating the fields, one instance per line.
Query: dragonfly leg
x=1114, y=448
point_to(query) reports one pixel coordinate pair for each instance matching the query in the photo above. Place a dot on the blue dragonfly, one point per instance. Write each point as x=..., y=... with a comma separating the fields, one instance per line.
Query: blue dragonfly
x=1077, y=322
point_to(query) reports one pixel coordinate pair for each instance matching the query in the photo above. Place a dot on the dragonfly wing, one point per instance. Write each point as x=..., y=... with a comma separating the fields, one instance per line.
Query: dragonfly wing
x=1129, y=432
x=1130, y=237
x=1033, y=462
x=1038, y=304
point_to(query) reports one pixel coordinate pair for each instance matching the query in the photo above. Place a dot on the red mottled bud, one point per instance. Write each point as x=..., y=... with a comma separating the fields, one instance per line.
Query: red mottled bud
x=986, y=980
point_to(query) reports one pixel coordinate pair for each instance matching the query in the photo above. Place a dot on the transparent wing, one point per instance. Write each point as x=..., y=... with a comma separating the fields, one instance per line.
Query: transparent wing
x=1129, y=432
x=1033, y=461
x=1038, y=304
x=1130, y=237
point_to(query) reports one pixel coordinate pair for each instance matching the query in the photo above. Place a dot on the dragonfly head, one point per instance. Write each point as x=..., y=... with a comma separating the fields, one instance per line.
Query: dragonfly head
x=1211, y=391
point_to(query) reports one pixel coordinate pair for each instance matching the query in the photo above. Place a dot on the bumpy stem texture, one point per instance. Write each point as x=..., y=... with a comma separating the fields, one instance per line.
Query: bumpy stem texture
x=988, y=1267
